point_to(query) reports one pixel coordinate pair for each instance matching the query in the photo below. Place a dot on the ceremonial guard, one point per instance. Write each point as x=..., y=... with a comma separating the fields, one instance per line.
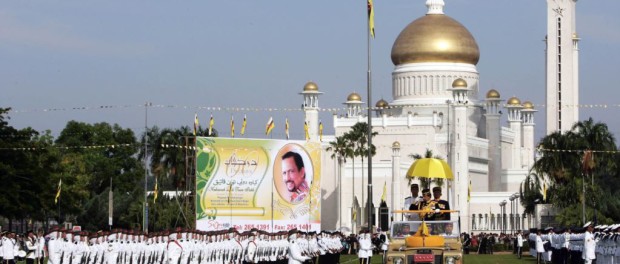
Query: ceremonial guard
x=411, y=202
x=589, y=244
x=32, y=244
x=174, y=248
x=251, y=249
x=111, y=254
x=294, y=251
x=54, y=247
x=40, y=247
x=9, y=247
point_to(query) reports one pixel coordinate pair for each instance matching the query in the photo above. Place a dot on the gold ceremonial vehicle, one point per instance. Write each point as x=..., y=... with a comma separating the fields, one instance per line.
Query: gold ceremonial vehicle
x=436, y=242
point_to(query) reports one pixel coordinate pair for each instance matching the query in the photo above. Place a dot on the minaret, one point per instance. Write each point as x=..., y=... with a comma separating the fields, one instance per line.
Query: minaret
x=311, y=109
x=354, y=105
x=562, y=66
x=460, y=155
x=513, y=105
x=528, y=133
x=492, y=115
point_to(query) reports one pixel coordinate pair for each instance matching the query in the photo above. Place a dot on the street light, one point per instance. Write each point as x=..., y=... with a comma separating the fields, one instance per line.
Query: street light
x=516, y=213
x=512, y=199
x=502, y=207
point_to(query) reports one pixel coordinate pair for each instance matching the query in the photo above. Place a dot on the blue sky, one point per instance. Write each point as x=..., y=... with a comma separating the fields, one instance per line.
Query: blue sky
x=259, y=54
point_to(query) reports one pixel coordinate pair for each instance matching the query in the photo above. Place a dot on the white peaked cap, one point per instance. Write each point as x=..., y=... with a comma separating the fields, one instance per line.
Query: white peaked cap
x=112, y=237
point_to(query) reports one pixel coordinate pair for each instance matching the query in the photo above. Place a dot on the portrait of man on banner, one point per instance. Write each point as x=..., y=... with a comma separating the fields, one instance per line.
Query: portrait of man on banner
x=295, y=173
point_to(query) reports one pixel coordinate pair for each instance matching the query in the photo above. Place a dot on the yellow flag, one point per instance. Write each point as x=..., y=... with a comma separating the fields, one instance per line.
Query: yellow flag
x=245, y=123
x=306, y=130
x=211, y=123
x=469, y=192
x=371, y=18
x=270, y=126
x=354, y=214
x=320, y=131
x=232, y=126
x=155, y=191
x=58, y=191
x=544, y=192
x=286, y=128
x=195, y=123
x=383, y=196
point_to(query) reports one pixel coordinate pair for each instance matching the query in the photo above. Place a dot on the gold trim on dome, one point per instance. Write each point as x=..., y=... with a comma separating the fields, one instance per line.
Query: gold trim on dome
x=528, y=105
x=459, y=83
x=382, y=103
x=396, y=144
x=493, y=94
x=435, y=38
x=311, y=86
x=354, y=97
x=513, y=101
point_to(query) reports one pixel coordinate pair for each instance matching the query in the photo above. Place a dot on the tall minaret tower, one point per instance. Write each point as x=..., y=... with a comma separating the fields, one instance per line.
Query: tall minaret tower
x=562, y=66
x=460, y=154
x=311, y=109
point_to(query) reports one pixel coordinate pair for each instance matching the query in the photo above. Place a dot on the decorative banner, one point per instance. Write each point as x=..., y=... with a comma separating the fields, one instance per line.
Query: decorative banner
x=272, y=185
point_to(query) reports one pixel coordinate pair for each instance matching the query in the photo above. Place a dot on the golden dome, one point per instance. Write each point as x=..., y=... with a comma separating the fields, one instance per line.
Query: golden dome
x=493, y=94
x=528, y=105
x=311, y=86
x=459, y=83
x=354, y=97
x=513, y=101
x=382, y=104
x=435, y=38
x=396, y=144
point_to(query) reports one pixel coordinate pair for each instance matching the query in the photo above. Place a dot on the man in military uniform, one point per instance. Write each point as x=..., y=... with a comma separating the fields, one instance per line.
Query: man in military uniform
x=414, y=200
x=589, y=244
x=440, y=204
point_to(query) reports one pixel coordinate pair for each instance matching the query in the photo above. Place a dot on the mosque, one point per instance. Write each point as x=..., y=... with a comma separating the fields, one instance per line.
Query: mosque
x=438, y=105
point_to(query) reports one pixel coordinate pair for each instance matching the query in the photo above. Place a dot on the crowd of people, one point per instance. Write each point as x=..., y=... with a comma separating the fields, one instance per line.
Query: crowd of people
x=174, y=247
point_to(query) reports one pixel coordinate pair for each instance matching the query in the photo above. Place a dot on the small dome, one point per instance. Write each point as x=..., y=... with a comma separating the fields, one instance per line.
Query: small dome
x=396, y=144
x=513, y=101
x=459, y=83
x=575, y=35
x=528, y=105
x=354, y=97
x=311, y=86
x=382, y=104
x=493, y=94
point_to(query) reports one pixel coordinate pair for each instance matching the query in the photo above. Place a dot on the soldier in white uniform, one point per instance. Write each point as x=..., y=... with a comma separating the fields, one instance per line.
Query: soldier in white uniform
x=589, y=244
x=414, y=199
x=294, y=251
x=53, y=246
x=112, y=250
x=9, y=247
x=32, y=244
x=174, y=249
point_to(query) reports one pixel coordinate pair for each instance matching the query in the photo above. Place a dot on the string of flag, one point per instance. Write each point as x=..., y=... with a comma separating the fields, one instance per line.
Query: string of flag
x=276, y=109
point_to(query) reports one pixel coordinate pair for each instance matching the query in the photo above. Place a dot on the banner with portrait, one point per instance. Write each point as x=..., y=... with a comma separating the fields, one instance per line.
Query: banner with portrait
x=271, y=185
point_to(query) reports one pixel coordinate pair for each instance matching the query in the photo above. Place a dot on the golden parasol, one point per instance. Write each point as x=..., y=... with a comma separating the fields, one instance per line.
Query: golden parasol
x=430, y=168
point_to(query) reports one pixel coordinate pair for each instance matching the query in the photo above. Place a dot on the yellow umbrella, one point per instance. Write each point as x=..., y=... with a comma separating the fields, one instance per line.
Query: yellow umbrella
x=430, y=168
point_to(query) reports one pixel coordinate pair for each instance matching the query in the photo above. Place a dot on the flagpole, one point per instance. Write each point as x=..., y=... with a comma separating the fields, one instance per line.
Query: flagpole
x=146, y=172
x=369, y=85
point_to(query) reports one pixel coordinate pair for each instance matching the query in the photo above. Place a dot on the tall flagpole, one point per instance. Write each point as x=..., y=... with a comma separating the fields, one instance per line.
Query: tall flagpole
x=369, y=85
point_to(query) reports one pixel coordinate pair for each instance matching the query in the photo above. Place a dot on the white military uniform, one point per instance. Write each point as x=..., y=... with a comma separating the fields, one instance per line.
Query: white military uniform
x=589, y=247
x=174, y=250
x=294, y=252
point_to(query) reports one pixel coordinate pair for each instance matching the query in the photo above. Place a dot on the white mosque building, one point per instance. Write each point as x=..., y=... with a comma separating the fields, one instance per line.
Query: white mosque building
x=437, y=105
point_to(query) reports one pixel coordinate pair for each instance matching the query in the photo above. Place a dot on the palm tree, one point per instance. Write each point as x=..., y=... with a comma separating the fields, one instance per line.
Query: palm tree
x=341, y=149
x=358, y=135
x=426, y=182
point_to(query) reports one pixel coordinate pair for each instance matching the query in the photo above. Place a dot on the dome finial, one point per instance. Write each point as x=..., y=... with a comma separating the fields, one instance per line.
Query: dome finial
x=435, y=7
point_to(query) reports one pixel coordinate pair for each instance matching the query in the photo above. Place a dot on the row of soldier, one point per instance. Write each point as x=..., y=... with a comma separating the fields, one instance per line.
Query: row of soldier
x=577, y=245
x=178, y=247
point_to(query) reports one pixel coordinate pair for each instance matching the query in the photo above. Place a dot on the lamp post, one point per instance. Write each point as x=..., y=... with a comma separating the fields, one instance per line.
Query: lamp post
x=502, y=207
x=512, y=199
x=516, y=213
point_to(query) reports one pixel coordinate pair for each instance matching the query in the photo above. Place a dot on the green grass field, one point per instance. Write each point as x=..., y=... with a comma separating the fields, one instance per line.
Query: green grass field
x=502, y=258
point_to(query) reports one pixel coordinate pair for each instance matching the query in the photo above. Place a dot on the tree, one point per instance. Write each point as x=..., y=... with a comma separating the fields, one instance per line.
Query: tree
x=561, y=166
x=358, y=135
x=426, y=182
x=341, y=149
